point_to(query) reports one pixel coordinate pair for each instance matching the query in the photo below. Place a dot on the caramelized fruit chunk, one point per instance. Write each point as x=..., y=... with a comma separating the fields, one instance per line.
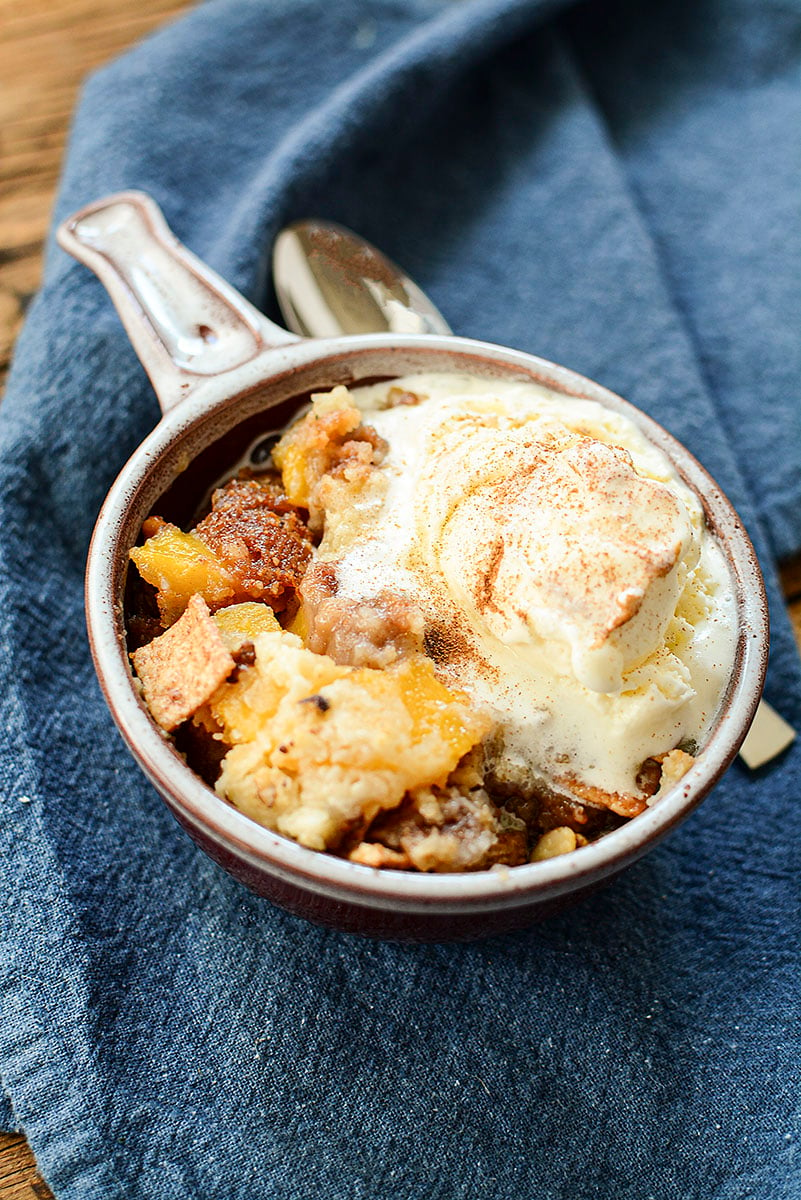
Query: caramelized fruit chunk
x=330, y=441
x=260, y=539
x=239, y=623
x=179, y=565
x=253, y=545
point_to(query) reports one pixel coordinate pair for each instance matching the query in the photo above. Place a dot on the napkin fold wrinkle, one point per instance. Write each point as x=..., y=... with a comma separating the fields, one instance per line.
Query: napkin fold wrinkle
x=609, y=185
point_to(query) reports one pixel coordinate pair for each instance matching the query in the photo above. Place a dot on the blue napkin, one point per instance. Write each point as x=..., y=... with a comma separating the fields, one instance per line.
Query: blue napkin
x=613, y=186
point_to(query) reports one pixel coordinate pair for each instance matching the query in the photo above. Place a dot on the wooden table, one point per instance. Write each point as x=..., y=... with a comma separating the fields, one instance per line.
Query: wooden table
x=46, y=49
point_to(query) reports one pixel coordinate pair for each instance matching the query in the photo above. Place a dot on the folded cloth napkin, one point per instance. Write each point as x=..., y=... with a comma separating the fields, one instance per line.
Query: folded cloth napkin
x=610, y=185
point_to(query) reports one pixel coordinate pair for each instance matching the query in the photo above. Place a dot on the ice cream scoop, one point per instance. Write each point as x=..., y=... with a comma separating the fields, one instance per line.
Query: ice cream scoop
x=587, y=607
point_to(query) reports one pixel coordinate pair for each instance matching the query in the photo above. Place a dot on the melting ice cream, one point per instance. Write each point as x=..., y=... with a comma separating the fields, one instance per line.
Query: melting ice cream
x=566, y=577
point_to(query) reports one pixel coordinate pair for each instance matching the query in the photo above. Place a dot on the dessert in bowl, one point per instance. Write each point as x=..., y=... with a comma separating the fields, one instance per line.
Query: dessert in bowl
x=451, y=683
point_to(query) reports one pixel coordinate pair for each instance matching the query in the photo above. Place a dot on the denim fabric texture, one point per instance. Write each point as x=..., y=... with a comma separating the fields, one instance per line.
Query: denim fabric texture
x=612, y=185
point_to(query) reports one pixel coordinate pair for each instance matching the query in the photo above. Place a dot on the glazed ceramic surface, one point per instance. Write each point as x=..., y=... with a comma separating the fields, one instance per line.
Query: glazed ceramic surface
x=227, y=378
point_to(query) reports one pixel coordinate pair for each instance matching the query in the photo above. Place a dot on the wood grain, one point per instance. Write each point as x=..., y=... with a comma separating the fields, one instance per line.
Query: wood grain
x=19, y=1178
x=46, y=49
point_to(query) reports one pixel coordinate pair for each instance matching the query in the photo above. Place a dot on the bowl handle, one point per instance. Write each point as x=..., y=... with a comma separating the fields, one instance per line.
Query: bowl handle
x=184, y=321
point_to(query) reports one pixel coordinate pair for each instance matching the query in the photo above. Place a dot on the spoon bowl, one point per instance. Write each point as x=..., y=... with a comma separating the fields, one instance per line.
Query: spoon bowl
x=330, y=282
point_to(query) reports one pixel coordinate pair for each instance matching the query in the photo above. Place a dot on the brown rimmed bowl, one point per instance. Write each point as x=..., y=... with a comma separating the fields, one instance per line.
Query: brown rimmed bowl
x=226, y=378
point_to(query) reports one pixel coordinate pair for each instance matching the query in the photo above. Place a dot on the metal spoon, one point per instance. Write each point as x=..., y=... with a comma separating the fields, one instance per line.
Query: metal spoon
x=330, y=281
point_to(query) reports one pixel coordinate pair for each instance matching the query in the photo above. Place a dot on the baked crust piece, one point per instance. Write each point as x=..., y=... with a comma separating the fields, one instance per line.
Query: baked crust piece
x=622, y=803
x=183, y=668
x=374, y=854
x=669, y=769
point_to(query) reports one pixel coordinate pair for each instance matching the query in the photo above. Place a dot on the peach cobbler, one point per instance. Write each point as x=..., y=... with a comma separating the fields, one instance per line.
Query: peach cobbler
x=456, y=622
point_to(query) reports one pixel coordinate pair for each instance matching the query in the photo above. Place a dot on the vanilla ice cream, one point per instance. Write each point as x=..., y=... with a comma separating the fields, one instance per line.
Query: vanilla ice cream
x=567, y=580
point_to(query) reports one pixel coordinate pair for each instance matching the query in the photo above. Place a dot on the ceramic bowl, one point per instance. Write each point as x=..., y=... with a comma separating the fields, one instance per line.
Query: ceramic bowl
x=225, y=377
